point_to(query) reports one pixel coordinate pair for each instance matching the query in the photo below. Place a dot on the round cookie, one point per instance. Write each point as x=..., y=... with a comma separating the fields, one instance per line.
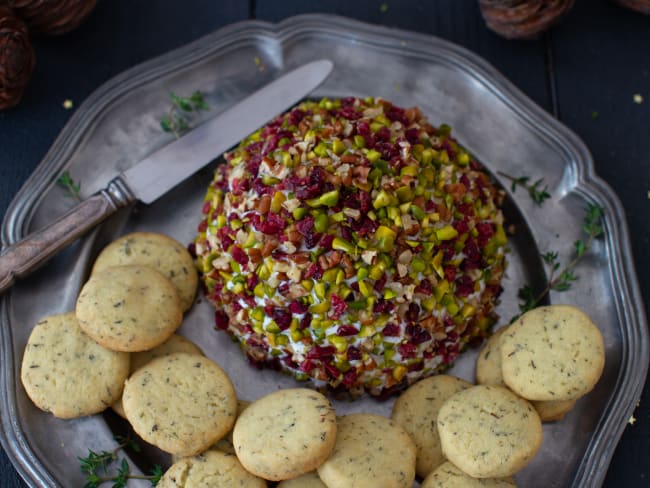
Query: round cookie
x=552, y=353
x=285, y=434
x=67, y=373
x=449, y=476
x=370, y=451
x=416, y=410
x=488, y=362
x=309, y=480
x=552, y=411
x=129, y=308
x=181, y=403
x=176, y=343
x=489, y=432
x=208, y=470
x=488, y=372
x=156, y=251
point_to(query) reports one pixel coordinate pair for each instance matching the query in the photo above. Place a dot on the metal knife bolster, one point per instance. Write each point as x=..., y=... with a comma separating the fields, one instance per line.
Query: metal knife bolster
x=23, y=257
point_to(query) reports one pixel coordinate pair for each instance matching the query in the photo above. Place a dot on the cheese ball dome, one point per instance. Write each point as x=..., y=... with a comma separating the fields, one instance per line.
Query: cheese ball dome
x=352, y=243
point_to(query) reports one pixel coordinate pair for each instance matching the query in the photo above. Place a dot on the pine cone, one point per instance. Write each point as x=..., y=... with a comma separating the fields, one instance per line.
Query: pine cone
x=523, y=18
x=53, y=16
x=16, y=58
x=642, y=6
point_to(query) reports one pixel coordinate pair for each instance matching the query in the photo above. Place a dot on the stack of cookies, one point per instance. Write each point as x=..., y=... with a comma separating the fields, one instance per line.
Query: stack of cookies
x=531, y=372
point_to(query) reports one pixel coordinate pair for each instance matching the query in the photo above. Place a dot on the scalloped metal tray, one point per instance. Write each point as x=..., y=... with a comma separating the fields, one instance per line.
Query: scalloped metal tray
x=118, y=125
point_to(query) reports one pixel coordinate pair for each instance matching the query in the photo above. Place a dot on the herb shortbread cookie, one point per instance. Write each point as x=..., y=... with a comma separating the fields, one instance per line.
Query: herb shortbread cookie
x=181, y=403
x=552, y=353
x=285, y=434
x=309, y=480
x=67, y=373
x=488, y=431
x=129, y=308
x=209, y=470
x=449, y=476
x=488, y=372
x=371, y=451
x=176, y=343
x=416, y=410
x=156, y=251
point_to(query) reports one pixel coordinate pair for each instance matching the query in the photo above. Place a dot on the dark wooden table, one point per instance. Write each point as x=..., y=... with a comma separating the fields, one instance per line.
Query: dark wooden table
x=586, y=72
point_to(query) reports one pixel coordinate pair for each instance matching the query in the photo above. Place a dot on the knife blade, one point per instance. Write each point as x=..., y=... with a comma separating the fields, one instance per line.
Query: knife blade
x=153, y=176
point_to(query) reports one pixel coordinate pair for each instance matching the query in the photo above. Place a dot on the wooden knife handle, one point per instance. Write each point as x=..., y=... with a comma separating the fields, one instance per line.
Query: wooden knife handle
x=21, y=258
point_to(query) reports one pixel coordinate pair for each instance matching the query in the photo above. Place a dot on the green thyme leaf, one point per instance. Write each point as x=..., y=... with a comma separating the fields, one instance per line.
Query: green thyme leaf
x=536, y=194
x=73, y=188
x=177, y=119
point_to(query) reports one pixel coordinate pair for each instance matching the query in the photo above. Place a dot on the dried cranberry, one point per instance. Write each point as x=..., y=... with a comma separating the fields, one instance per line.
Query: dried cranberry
x=420, y=335
x=353, y=353
x=314, y=271
x=419, y=366
x=380, y=283
x=312, y=240
x=450, y=273
x=298, y=308
x=320, y=352
x=307, y=365
x=413, y=135
x=383, y=134
x=465, y=181
x=485, y=232
x=296, y=116
x=363, y=128
x=203, y=225
x=282, y=317
x=461, y=226
x=391, y=330
x=191, y=248
x=283, y=288
x=305, y=322
x=349, y=113
x=346, y=233
x=346, y=330
x=326, y=241
x=382, y=306
x=332, y=370
x=221, y=319
x=407, y=350
x=396, y=114
x=424, y=287
x=338, y=306
x=289, y=362
x=236, y=306
x=365, y=201
x=306, y=225
x=464, y=286
x=239, y=255
x=240, y=186
x=413, y=312
x=350, y=378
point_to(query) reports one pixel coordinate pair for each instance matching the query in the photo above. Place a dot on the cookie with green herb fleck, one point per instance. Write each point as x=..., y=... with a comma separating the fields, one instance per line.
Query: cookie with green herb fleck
x=157, y=251
x=129, y=308
x=182, y=403
x=209, y=470
x=309, y=480
x=488, y=362
x=489, y=432
x=285, y=434
x=416, y=410
x=68, y=374
x=370, y=451
x=351, y=243
x=176, y=343
x=488, y=372
x=449, y=476
x=552, y=353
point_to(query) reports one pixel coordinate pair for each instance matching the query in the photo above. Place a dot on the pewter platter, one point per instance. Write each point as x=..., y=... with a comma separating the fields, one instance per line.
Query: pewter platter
x=119, y=124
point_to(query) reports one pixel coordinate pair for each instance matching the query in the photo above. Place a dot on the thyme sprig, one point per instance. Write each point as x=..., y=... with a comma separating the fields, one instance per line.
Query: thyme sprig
x=561, y=279
x=176, y=121
x=72, y=188
x=95, y=466
x=538, y=195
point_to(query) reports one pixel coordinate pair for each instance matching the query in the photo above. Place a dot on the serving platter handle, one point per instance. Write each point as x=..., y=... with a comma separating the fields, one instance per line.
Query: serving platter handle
x=23, y=257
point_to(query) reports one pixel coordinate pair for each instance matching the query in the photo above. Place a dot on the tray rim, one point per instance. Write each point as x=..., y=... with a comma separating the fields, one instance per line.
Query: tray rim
x=633, y=323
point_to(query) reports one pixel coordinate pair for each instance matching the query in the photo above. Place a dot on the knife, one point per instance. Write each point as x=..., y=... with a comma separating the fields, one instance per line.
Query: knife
x=155, y=175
